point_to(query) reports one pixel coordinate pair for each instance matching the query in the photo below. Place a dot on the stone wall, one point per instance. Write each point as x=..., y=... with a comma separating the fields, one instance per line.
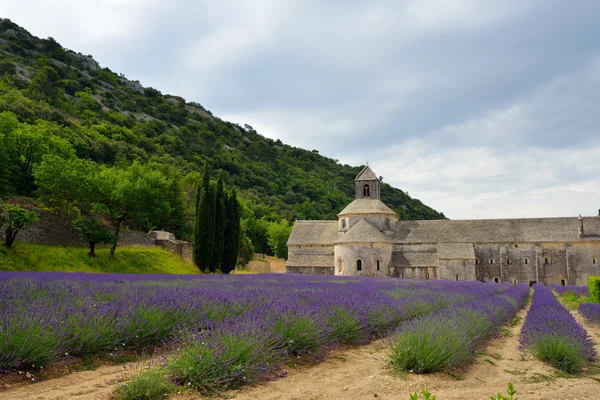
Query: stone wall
x=369, y=254
x=54, y=229
x=310, y=270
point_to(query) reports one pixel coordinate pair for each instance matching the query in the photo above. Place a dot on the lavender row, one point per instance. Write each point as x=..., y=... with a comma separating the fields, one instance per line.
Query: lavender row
x=552, y=334
x=45, y=316
x=591, y=312
x=580, y=291
x=449, y=338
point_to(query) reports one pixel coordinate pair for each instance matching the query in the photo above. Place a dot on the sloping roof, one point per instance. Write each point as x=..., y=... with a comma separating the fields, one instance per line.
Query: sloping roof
x=456, y=251
x=497, y=230
x=363, y=232
x=414, y=259
x=313, y=233
x=366, y=174
x=366, y=206
x=310, y=260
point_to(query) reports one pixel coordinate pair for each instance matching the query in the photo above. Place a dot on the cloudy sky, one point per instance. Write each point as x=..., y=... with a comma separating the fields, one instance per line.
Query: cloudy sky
x=481, y=109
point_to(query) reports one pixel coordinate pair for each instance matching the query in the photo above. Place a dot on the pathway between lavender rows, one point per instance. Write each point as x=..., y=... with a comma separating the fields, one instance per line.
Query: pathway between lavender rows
x=363, y=373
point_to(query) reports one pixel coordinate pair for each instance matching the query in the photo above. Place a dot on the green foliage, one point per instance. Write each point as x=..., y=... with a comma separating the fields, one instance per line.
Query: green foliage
x=561, y=353
x=220, y=221
x=278, y=234
x=594, y=289
x=150, y=384
x=93, y=232
x=246, y=253
x=65, y=184
x=232, y=235
x=204, y=238
x=511, y=391
x=14, y=218
x=29, y=257
x=138, y=191
x=425, y=395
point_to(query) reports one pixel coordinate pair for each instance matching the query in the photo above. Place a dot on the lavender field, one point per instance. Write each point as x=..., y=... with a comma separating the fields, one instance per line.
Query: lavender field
x=228, y=331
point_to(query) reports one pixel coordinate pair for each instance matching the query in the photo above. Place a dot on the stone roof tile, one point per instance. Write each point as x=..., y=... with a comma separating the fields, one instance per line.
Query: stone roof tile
x=363, y=232
x=366, y=206
x=366, y=174
x=414, y=259
x=313, y=233
x=456, y=251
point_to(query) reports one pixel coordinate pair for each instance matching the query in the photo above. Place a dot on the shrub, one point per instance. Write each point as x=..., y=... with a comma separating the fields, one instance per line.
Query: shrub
x=594, y=288
x=147, y=385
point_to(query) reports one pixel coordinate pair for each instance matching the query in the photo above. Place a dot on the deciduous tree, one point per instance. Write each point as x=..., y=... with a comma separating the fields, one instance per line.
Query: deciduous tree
x=93, y=232
x=14, y=218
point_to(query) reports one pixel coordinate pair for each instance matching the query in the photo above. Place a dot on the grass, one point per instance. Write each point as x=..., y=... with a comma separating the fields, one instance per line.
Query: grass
x=150, y=384
x=133, y=260
x=571, y=301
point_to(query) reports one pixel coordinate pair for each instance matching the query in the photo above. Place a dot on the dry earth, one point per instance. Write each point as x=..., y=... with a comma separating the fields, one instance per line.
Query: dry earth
x=362, y=373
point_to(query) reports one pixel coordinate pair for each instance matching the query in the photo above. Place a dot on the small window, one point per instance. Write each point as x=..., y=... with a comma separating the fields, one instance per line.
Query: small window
x=546, y=260
x=563, y=282
x=427, y=275
x=508, y=261
x=491, y=260
x=594, y=260
x=388, y=223
x=476, y=261
x=456, y=278
x=496, y=280
x=366, y=191
x=340, y=265
x=378, y=262
x=343, y=223
x=526, y=260
x=515, y=281
x=359, y=265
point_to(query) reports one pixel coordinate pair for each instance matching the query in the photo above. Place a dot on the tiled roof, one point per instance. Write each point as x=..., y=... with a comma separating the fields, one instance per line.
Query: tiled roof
x=366, y=206
x=313, y=233
x=366, y=174
x=497, y=230
x=363, y=232
x=414, y=259
x=310, y=260
x=456, y=251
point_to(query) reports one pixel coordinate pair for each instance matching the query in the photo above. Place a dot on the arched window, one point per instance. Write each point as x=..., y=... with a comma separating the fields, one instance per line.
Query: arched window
x=508, y=260
x=546, y=260
x=340, y=265
x=525, y=260
x=359, y=265
x=514, y=281
x=366, y=191
x=563, y=282
x=427, y=275
x=456, y=278
x=388, y=223
x=594, y=260
x=496, y=280
x=343, y=223
x=378, y=263
x=476, y=261
x=491, y=260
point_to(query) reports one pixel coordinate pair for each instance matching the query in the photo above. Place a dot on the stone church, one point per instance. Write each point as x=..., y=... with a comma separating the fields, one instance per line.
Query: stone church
x=369, y=240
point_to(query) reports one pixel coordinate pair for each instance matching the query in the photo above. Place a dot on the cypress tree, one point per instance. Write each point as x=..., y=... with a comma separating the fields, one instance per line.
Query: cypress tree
x=232, y=233
x=220, y=221
x=204, y=239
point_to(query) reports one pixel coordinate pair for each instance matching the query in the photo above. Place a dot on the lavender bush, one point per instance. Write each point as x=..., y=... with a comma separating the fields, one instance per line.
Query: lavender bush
x=591, y=312
x=580, y=291
x=448, y=338
x=552, y=335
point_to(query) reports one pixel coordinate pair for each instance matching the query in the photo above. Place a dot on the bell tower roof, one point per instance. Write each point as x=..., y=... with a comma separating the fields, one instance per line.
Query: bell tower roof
x=366, y=174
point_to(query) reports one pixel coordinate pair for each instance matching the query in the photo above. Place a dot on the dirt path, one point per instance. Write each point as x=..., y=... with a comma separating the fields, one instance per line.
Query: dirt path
x=363, y=373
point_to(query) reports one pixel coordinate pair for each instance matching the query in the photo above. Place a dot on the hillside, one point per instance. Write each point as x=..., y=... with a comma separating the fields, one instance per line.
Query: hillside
x=27, y=257
x=109, y=119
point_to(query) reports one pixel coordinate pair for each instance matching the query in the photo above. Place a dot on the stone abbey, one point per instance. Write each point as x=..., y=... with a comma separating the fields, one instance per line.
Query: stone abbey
x=369, y=240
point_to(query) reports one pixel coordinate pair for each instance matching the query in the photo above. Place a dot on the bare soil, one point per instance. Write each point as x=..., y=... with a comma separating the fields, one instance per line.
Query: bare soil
x=363, y=373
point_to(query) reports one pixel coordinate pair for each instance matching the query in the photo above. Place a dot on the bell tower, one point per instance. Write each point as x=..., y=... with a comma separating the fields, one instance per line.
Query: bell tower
x=367, y=184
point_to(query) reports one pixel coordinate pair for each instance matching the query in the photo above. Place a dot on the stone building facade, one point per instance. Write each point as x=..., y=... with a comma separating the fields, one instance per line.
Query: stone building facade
x=367, y=239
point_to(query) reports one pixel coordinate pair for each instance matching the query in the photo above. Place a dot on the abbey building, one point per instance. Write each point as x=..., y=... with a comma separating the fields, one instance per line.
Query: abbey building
x=369, y=240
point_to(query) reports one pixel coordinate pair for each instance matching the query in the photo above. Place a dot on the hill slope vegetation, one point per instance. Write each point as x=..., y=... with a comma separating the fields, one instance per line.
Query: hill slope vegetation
x=62, y=102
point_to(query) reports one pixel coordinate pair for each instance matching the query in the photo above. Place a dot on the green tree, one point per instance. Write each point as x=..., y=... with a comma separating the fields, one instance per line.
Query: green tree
x=93, y=232
x=232, y=233
x=246, y=253
x=204, y=238
x=136, y=192
x=14, y=218
x=220, y=221
x=278, y=234
x=65, y=183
